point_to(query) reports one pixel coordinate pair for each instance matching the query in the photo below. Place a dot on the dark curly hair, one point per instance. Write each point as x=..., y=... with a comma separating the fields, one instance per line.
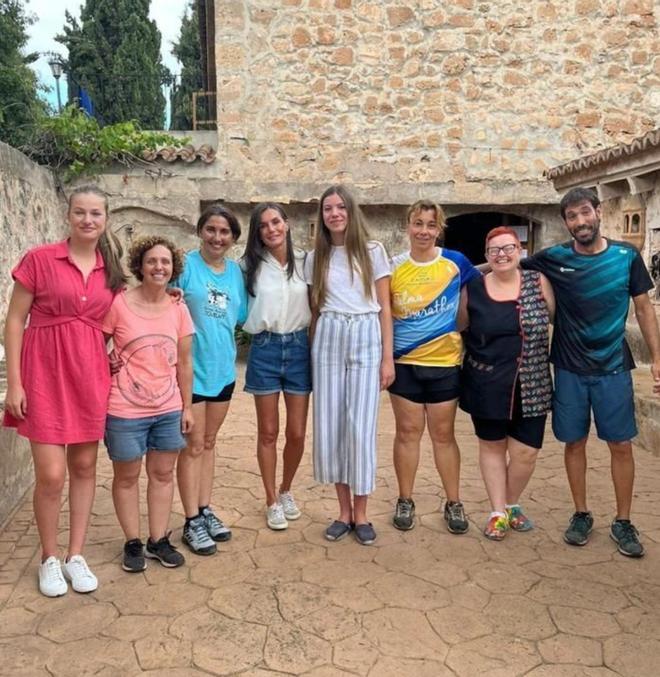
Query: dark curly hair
x=143, y=244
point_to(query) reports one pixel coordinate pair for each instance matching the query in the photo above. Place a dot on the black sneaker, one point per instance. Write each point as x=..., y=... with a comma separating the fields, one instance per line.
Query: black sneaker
x=164, y=552
x=404, y=514
x=579, y=528
x=626, y=536
x=455, y=517
x=134, y=556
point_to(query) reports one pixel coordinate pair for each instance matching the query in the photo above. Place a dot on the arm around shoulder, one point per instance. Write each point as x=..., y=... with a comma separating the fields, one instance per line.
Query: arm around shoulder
x=648, y=324
x=548, y=295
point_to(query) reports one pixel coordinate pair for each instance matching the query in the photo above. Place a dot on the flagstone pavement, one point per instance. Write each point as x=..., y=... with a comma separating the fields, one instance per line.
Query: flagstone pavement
x=422, y=602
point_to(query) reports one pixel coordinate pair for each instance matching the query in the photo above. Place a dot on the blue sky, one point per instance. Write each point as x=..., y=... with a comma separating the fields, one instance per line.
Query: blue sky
x=50, y=20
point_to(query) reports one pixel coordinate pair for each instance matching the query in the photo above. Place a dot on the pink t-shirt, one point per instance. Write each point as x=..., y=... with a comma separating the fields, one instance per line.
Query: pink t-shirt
x=146, y=384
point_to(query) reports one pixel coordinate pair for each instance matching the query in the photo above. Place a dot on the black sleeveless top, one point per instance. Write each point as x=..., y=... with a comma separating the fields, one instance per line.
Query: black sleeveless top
x=506, y=344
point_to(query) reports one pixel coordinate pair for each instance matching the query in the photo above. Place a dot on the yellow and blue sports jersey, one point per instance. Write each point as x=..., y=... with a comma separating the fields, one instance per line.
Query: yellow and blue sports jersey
x=425, y=299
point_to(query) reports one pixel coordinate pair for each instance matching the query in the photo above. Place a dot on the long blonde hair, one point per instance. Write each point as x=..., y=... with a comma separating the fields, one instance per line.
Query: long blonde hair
x=355, y=243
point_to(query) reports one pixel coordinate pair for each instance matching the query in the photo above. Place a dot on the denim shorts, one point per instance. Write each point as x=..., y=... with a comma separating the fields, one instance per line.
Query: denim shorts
x=279, y=362
x=129, y=439
x=610, y=397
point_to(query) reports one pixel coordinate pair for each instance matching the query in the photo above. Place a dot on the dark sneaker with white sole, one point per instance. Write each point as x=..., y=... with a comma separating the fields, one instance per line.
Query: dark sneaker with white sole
x=215, y=526
x=164, y=552
x=134, y=556
x=455, y=517
x=579, y=528
x=626, y=536
x=404, y=514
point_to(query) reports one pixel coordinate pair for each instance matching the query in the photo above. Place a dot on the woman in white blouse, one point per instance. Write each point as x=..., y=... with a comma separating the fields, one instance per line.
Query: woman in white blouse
x=278, y=319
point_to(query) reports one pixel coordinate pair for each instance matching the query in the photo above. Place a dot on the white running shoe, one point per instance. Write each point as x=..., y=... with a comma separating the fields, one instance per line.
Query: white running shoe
x=291, y=510
x=275, y=517
x=77, y=571
x=51, y=580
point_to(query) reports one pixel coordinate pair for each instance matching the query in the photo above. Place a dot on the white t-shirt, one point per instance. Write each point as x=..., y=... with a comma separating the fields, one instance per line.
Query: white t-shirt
x=345, y=292
x=281, y=303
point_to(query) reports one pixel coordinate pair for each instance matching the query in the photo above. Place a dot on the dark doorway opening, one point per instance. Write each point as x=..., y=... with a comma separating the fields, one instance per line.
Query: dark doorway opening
x=467, y=233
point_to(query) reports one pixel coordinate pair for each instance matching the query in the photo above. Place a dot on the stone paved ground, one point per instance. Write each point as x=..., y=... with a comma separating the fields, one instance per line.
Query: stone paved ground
x=418, y=603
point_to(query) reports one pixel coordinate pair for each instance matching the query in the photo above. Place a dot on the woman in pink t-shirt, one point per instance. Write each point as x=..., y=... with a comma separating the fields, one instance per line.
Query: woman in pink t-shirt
x=58, y=377
x=150, y=399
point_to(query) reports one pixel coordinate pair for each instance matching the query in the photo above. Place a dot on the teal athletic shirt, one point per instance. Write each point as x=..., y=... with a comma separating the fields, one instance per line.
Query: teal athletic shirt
x=593, y=294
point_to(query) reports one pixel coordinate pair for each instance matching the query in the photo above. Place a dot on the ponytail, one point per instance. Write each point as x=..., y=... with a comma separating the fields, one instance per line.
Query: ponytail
x=112, y=252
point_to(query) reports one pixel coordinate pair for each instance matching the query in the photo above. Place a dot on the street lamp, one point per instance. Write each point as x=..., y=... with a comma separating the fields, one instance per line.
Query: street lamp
x=56, y=67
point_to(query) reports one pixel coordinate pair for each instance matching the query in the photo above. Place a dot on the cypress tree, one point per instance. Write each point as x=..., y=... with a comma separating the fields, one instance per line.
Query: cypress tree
x=20, y=106
x=114, y=54
x=188, y=52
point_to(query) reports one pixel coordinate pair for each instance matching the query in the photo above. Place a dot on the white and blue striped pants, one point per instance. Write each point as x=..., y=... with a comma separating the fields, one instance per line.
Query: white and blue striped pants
x=346, y=355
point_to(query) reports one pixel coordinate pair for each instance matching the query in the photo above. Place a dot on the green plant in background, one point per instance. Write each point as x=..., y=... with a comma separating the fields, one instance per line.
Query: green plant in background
x=76, y=144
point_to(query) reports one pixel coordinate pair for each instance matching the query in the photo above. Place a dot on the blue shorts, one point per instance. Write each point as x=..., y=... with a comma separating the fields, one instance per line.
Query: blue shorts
x=279, y=362
x=129, y=439
x=610, y=397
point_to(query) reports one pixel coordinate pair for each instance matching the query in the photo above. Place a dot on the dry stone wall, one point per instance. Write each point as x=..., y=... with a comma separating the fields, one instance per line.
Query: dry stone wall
x=461, y=96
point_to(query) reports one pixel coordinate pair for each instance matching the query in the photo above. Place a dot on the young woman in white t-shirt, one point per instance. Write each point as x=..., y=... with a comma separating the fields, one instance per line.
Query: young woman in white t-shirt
x=352, y=356
x=278, y=319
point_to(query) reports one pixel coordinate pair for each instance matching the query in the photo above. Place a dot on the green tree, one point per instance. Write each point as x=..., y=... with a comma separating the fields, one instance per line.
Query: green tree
x=188, y=52
x=114, y=54
x=20, y=106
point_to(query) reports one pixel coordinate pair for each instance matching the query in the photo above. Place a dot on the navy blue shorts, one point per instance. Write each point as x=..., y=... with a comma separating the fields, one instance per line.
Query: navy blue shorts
x=426, y=385
x=279, y=362
x=609, y=397
x=129, y=439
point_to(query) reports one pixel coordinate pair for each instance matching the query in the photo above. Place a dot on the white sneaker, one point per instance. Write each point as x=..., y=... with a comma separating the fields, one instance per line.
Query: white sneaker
x=275, y=517
x=291, y=511
x=77, y=571
x=51, y=580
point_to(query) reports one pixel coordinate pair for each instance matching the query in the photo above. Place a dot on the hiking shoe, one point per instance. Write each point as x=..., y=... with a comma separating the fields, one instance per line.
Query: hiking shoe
x=51, y=579
x=134, y=556
x=404, y=514
x=197, y=538
x=215, y=527
x=579, y=528
x=275, y=517
x=164, y=552
x=496, y=528
x=455, y=517
x=291, y=510
x=365, y=533
x=337, y=530
x=75, y=569
x=517, y=519
x=626, y=536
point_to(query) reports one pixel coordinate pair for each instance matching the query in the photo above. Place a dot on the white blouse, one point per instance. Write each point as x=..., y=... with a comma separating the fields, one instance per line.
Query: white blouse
x=280, y=304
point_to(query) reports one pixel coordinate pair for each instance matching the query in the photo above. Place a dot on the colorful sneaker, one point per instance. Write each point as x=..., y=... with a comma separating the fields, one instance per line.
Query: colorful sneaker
x=291, y=510
x=626, y=536
x=404, y=514
x=164, y=552
x=455, y=517
x=51, y=580
x=75, y=569
x=275, y=517
x=215, y=527
x=579, y=528
x=518, y=521
x=496, y=528
x=134, y=561
x=197, y=538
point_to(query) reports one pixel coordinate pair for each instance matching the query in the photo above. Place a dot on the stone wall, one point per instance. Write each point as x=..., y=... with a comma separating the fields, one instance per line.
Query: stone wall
x=465, y=100
x=31, y=213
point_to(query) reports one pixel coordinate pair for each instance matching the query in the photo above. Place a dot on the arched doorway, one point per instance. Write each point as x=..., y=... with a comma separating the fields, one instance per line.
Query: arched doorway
x=467, y=233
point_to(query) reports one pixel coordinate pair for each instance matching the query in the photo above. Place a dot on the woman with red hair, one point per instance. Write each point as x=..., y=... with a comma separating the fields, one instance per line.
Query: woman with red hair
x=506, y=384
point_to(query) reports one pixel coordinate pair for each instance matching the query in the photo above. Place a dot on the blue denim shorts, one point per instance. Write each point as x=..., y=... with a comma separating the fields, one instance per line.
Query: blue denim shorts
x=129, y=439
x=279, y=362
x=610, y=397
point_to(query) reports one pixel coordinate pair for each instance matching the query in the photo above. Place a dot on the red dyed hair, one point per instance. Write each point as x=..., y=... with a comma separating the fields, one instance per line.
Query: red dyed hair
x=502, y=230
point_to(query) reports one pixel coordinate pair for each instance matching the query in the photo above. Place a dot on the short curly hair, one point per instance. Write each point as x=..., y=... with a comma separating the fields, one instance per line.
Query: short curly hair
x=143, y=244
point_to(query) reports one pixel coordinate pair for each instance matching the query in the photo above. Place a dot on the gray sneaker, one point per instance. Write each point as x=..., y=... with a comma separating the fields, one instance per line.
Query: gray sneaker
x=626, y=536
x=579, y=528
x=215, y=527
x=455, y=517
x=291, y=510
x=197, y=538
x=404, y=515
